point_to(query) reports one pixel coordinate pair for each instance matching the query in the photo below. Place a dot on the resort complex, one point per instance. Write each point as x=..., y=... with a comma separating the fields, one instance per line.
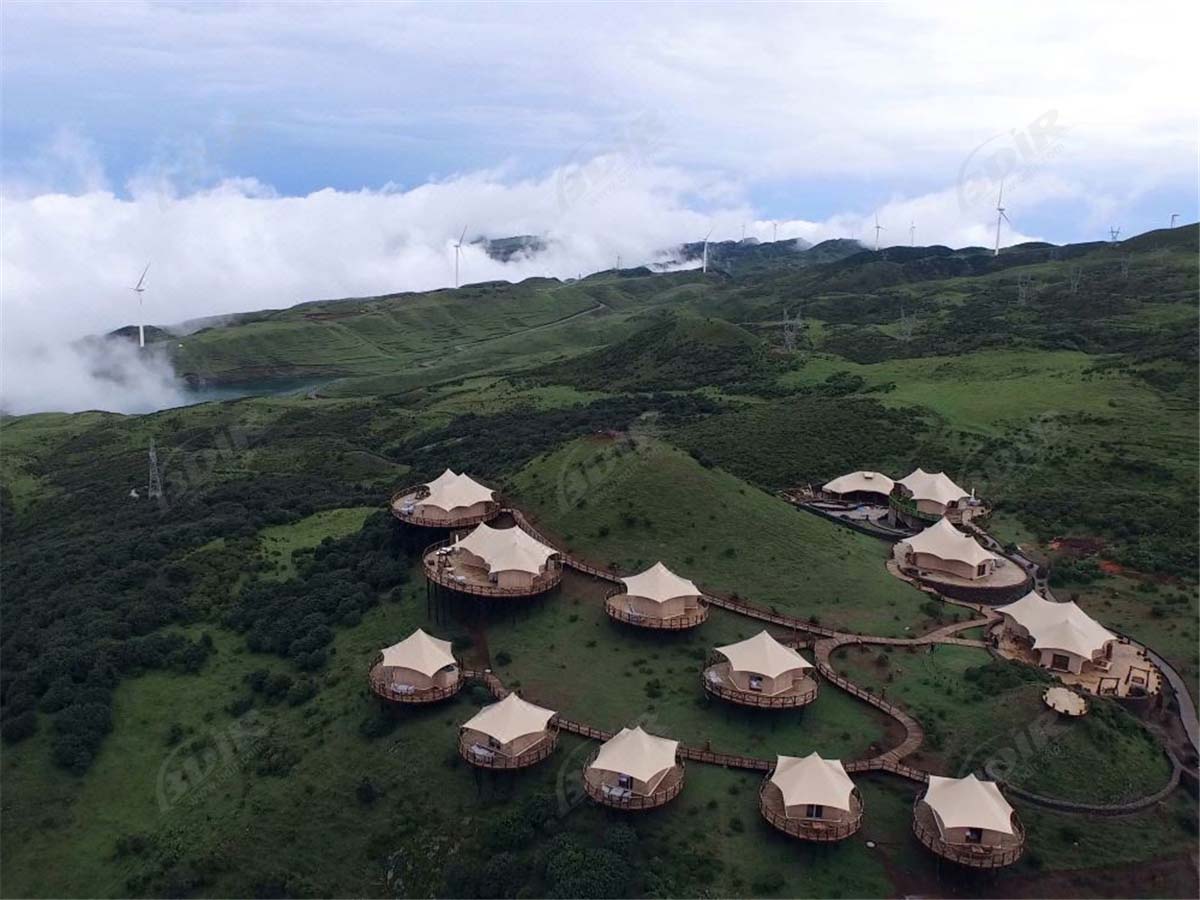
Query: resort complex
x=966, y=821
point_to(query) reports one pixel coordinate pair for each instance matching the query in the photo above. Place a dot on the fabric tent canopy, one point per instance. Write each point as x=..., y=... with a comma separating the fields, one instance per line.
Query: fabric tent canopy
x=860, y=481
x=969, y=803
x=811, y=779
x=660, y=584
x=764, y=655
x=510, y=719
x=943, y=540
x=449, y=491
x=934, y=486
x=1058, y=626
x=419, y=652
x=506, y=549
x=635, y=753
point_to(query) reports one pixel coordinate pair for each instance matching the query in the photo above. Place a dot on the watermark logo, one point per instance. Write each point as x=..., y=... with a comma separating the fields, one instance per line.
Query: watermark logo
x=1005, y=757
x=587, y=465
x=1008, y=157
x=194, y=769
x=182, y=469
x=595, y=170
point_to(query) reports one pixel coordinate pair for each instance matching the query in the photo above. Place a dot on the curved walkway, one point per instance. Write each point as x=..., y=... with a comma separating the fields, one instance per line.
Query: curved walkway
x=830, y=642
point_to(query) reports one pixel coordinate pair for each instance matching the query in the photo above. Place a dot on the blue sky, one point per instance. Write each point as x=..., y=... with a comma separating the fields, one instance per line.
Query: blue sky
x=262, y=154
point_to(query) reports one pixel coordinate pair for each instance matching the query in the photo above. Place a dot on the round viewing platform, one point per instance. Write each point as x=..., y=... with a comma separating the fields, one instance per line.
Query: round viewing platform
x=449, y=569
x=976, y=856
x=620, y=609
x=624, y=798
x=770, y=804
x=717, y=681
x=408, y=694
x=485, y=757
x=406, y=501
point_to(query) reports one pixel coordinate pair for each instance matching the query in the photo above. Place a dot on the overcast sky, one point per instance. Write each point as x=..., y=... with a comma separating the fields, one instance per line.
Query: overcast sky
x=259, y=155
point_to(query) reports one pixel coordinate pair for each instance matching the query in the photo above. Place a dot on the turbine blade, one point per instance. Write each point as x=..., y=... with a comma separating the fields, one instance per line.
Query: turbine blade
x=143, y=278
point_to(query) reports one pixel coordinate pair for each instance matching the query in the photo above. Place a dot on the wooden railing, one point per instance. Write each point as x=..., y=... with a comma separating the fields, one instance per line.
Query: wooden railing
x=443, y=575
x=381, y=688
x=674, y=623
x=822, y=830
x=977, y=856
x=790, y=699
x=497, y=760
x=659, y=797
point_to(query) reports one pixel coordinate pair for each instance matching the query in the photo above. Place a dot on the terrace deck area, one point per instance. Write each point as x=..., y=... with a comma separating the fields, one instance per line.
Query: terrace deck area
x=618, y=607
x=392, y=692
x=770, y=804
x=403, y=507
x=451, y=569
x=975, y=856
x=1129, y=673
x=621, y=798
x=489, y=758
x=717, y=681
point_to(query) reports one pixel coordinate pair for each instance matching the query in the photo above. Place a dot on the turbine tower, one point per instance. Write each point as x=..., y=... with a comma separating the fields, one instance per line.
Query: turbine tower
x=704, y=264
x=912, y=234
x=140, y=288
x=878, y=228
x=1001, y=216
x=774, y=232
x=457, y=252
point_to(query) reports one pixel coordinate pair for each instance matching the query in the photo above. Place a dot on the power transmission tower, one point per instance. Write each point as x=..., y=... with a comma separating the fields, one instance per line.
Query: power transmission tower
x=1024, y=285
x=1076, y=277
x=154, y=489
x=1125, y=261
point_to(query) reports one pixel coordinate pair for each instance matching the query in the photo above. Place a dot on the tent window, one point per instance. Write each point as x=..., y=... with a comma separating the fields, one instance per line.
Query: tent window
x=981, y=569
x=756, y=682
x=816, y=811
x=974, y=835
x=493, y=743
x=625, y=781
x=1059, y=661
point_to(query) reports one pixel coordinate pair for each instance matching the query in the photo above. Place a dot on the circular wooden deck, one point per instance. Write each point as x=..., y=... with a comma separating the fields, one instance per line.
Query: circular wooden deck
x=444, y=571
x=381, y=688
x=480, y=758
x=975, y=856
x=619, y=611
x=668, y=789
x=770, y=804
x=406, y=497
x=717, y=682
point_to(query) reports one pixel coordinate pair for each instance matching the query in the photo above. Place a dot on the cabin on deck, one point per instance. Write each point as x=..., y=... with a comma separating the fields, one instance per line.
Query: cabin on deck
x=419, y=669
x=923, y=497
x=762, y=672
x=634, y=770
x=860, y=487
x=969, y=822
x=657, y=598
x=510, y=734
x=494, y=562
x=942, y=548
x=811, y=798
x=449, y=501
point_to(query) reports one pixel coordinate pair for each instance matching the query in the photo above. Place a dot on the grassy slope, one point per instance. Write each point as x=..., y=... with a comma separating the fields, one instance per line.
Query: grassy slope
x=280, y=541
x=714, y=528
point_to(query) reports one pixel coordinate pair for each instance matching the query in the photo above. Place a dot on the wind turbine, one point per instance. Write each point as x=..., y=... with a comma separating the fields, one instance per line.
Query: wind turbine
x=1114, y=233
x=1174, y=216
x=139, y=289
x=704, y=265
x=457, y=252
x=878, y=228
x=774, y=232
x=1001, y=215
x=912, y=234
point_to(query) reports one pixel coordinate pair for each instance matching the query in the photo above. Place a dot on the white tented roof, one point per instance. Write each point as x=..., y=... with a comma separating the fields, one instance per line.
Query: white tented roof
x=811, y=779
x=507, y=549
x=660, y=584
x=419, y=652
x=763, y=655
x=1058, y=626
x=969, y=803
x=449, y=491
x=860, y=481
x=510, y=719
x=935, y=486
x=633, y=752
x=943, y=540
